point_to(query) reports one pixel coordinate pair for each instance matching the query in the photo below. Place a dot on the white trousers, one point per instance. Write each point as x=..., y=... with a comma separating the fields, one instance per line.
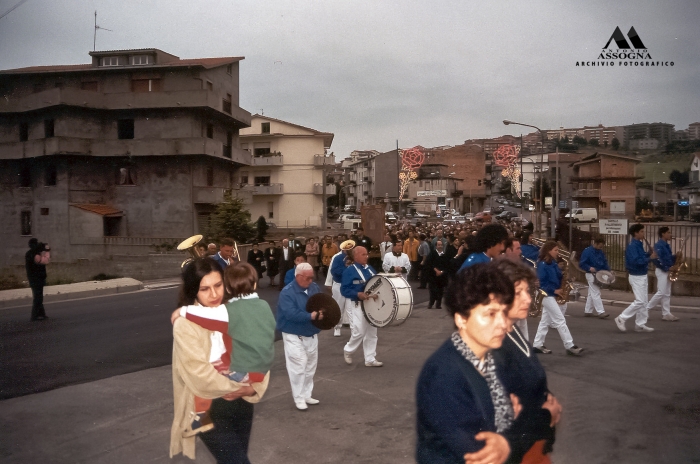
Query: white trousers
x=593, y=299
x=663, y=293
x=340, y=299
x=553, y=316
x=301, y=354
x=640, y=287
x=360, y=332
x=522, y=326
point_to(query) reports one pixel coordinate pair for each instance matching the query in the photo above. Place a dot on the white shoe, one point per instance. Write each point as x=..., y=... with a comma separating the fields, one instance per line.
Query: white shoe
x=669, y=317
x=374, y=363
x=348, y=357
x=336, y=332
x=301, y=405
x=620, y=324
x=642, y=328
x=311, y=401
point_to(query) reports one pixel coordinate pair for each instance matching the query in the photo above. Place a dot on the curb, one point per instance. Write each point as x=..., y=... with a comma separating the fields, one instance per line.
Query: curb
x=71, y=295
x=624, y=304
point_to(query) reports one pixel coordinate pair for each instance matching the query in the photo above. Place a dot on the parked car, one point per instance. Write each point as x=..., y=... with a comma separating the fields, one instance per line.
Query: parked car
x=487, y=209
x=484, y=216
x=420, y=215
x=531, y=207
x=469, y=216
x=518, y=205
x=449, y=222
x=506, y=215
x=459, y=219
x=348, y=217
x=498, y=209
x=390, y=218
x=521, y=220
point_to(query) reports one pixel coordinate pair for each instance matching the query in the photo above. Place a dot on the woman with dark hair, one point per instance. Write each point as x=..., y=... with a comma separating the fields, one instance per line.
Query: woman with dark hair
x=460, y=400
x=532, y=434
x=272, y=258
x=196, y=351
x=550, y=277
x=256, y=258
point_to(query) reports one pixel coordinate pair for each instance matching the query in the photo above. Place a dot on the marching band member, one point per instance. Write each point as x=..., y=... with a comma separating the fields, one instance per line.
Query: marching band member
x=335, y=278
x=355, y=277
x=490, y=242
x=397, y=261
x=550, y=277
x=529, y=249
x=593, y=260
x=663, y=263
x=637, y=264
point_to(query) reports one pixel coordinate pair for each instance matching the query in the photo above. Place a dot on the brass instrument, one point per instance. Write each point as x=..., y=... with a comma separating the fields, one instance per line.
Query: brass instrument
x=567, y=285
x=190, y=246
x=534, y=263
x=679, y=265
x=536, y=306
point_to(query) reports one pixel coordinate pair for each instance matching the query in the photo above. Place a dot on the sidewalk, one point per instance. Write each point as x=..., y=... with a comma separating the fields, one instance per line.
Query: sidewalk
x=23, y=296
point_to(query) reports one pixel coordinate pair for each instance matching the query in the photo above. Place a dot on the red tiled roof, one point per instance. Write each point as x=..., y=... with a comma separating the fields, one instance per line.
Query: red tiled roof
x=103, y=210
x=206, y=63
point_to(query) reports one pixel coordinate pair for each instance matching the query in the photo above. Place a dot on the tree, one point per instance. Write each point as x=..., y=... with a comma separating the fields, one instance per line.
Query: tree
x=679, y=179
x=578, y=140
x=231, y=219
x=261, y=228
x=615, y=143
x=593, y=142
x=535, y=192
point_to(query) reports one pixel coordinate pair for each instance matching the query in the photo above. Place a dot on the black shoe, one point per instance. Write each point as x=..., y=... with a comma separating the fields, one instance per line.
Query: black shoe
x=541, y=350
x=574, y=351
x=430, y=306
x=438, y=307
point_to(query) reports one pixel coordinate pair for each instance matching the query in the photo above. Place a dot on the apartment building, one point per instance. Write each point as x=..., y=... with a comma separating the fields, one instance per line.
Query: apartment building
x=372, y=177
x=286, y=175
x=117, y=155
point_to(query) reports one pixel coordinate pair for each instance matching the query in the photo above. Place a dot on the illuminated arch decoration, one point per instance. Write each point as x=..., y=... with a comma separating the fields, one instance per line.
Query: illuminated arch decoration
x=411, y=160
x=506, y=156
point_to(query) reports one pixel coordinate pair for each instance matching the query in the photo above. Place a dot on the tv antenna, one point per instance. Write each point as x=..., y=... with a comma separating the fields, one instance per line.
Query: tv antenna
x=11, y=9
x=94, y=37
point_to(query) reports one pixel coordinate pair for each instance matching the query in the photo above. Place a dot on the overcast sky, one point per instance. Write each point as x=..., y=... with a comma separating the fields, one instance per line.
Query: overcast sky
x=429, y=73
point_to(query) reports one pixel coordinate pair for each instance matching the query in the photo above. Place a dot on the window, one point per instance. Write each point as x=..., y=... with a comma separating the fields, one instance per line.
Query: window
x=145, y=85
x=111, y=226
x=140, y=60
x=210, y=131
x=91, y=86
x=48, y=128
x=125, y=129
x=44, y=211
x=50, y=175
x=25, y=177
x=210, y=86
x=229, y=143
x=479, y=183
x=262, y=151
x=613, y=185
x=270, y=209
x=210, y=176
x=26, y=222
x=23, y=131
x=227, y=104
x=110, y=61
x=617, y=207
x=126, y=176
x=244, y=178
x=265, y=127
x=262, y=180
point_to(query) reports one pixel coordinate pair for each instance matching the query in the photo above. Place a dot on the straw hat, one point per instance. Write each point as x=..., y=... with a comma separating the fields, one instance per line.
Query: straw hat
x=347, y=245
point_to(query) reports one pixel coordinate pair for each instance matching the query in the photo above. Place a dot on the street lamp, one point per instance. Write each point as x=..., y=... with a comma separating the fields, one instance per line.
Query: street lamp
x=539, y=216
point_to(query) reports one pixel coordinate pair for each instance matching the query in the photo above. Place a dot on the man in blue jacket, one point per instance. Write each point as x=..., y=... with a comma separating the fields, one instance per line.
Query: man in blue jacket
x=299, y=334
x=334, y=279
x=593, y=260
x=637, y=264
x=490, y=242
x=663, y=263
x=355, y=278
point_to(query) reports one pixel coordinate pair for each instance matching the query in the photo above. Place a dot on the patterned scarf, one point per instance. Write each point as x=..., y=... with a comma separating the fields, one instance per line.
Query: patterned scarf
x=502, y=406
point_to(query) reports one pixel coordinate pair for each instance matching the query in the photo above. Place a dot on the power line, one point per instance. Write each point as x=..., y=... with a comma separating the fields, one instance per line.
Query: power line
x=12, y=9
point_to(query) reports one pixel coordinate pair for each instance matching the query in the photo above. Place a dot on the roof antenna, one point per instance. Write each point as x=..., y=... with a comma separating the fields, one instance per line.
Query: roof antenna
x=94, y=37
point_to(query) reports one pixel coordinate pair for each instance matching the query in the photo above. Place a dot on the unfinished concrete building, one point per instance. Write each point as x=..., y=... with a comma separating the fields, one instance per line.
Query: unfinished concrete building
x=117, y=156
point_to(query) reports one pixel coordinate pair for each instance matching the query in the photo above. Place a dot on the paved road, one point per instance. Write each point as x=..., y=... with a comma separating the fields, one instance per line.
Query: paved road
x=92, y=338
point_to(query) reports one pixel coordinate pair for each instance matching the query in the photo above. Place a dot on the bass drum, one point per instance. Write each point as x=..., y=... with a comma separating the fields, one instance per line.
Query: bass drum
x=395, y=302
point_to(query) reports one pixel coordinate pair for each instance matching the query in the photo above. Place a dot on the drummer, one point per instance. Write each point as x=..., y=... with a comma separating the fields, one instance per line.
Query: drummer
x=335, y=277
x=355, y=278
x=299, y=334
x=397, y=261
x=593, y=260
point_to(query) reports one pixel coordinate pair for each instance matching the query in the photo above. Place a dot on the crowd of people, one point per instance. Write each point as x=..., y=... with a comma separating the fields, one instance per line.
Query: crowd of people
x=482, y=397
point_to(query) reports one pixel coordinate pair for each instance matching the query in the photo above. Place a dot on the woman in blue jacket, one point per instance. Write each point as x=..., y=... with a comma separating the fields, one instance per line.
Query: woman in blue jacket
x=550, y=277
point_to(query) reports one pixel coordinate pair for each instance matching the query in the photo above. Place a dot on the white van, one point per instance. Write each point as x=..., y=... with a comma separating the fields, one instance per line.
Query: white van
x=583, y=215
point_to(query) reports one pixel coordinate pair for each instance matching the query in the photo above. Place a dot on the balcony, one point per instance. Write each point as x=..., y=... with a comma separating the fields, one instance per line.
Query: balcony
x=117, y=147
x=269, y=189
x=122, y=101
x=586, y=193
x=323, y=160
x=330, y=189
x=271, y=160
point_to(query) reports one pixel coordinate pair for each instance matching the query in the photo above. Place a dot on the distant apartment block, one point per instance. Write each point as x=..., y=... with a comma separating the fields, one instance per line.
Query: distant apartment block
x=114, y=156
x=286, y=175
